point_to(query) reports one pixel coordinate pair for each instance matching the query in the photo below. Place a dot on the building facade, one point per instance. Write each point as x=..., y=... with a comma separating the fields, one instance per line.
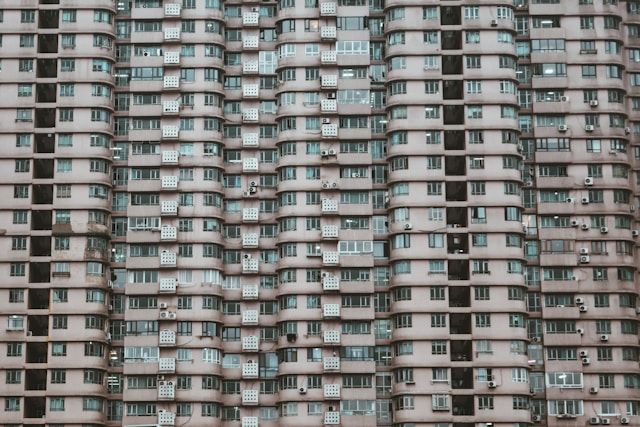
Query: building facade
x=319, y=213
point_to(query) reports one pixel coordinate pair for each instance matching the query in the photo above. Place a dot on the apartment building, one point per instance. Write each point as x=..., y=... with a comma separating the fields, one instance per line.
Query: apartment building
x=319, y=213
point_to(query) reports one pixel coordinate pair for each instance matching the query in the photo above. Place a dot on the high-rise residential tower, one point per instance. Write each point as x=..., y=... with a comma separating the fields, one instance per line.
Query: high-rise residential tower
x=316, y=213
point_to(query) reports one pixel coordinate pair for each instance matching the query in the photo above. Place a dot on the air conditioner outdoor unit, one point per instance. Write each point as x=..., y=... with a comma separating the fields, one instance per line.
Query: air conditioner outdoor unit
x=588, y=180
x=604, y=337
x=492, y=384
x=246, y=256
x=494, y=22
x=408, y=226
x=627, y=131
x=635, y=233
x=594, y=420
x=586, y=360
x=585, y=226
x=324, y=153
x=570, y=200
x=253, y=183
x=580, y=331
x=605, y=421
x=253, y=190
x=585, y=200
x=604, y=230
x=332, y=152
x=536, y=418
x=255, y=9
x=624, y=420
x=302, y=390
x=575, y=223
x=584, y=259
x=163, y=305
x=563, y=128
x=584, y=308
x=564, y=98
x=331, y=95
x=584, y=353
x=589, y=128
x=575, y=278
x=593, y=102
x=584, y=251
x=579, y=300
x=593, y=390
x=326, y=120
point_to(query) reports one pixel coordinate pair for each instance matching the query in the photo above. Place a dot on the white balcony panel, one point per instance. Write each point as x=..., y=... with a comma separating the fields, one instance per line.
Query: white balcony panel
x=250, y=18
x=168, y=232
x=330, y=258
x=170, y=131
x=171, y=107
x=250, y=90
x=250, y=42
x=331, y=310
x=330, y=205
x=172, y=9
x=250, y=140
x=250, y=164
x=171, y=82
x=250, y=214
x=167, y=337
x=172, y=58
x=250, y=343
x=167, y=364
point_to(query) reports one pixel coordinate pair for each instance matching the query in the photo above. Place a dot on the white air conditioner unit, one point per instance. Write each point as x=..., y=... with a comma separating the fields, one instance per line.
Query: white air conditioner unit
x=593, y=102
x=604, y=230
x=494, y=22
x=584, y=308
x=580, y=331
x=584, y=259
x=246, y=256
x=604, y=337
x=253, y=183
x=564, y=98
x=589, y=128
x=586, y=360
x=575, y=278
x=563, y=128
x=594, y=420
x=584, y=353
x=584, y=251
x=579, y=300
x=635, y=233
x=163, y=305
x=605, y=421
x=302, y=390
x=588, y=180
x=324, y=153
x=536, y=418
x=332, y=152
x=593, y=390
x=408, y=226
x=585, y=200
x=326, y=120
x=255, y=9
x=570, y=200
x=627, y=131
x=331, y=95
x=585, y=226
x=575, y=223
x=492, y=384
x=624, y=420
